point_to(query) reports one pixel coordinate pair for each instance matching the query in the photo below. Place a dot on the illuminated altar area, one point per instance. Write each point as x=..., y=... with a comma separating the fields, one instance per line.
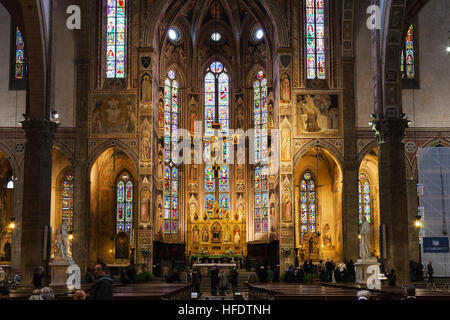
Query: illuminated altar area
x=216, y=236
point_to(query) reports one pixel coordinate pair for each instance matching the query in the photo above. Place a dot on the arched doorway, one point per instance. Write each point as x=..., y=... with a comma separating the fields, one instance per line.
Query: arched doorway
x=368, y=195
x=318, y=206
x=62, y=203
x=113, y=208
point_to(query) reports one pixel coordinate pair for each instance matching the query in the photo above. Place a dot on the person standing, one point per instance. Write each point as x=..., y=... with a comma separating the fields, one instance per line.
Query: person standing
x=196, y=279
x=252, y=277
x=306, y=267
x=430, y=272
x=276, y=275
x=234, y=279
x=214, y=280
x=262, y=274
x=37, y=277
x=102, y=288
x=392, y=277
x=269, y=274
x=351, y=270
x=223, y=282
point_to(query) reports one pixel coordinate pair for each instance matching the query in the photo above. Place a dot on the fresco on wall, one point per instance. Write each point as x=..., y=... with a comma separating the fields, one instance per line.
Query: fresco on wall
x=317, y=113
x=113, y=115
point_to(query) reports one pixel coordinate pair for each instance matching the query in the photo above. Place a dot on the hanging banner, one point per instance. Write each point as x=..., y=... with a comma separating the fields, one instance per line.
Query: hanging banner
x=435, y=244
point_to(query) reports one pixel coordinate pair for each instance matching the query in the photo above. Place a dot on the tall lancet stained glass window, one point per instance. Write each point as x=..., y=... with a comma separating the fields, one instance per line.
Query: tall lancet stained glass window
x=67, y=200
x=408, y=56
x=20, y=66
x=124, y=212
x=365, y=208
x=261, y=154
x=315, y=39
x=116, y=38
x=217, y=150
x=308, y=205
x=171, y=171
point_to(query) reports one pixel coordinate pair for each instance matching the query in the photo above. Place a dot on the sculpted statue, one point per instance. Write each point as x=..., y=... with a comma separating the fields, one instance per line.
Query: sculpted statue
x=366, y=239
x=146, y=89
x=61, y=242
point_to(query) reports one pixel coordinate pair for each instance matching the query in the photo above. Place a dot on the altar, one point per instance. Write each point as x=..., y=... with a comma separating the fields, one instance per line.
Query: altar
x=206, y=267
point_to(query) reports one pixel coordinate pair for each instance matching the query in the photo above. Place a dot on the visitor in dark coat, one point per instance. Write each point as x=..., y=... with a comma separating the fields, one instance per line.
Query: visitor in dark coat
x=430, y=272
x=234, y=279
x=392, y=278
x=196, y=280
x=306, y=267
x=262, y=275
x=299, y=275
x=351, y=271
x=214, y=280
x=276, y=274
x=102, y=288
x=38, y=275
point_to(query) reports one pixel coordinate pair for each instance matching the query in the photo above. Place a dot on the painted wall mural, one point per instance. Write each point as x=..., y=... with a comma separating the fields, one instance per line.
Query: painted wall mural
x=113, y=115
x=317, y=113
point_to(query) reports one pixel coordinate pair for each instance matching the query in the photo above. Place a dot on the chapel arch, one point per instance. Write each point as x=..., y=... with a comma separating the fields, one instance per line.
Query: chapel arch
x=368, y=195
x=318, y=205
x=62, y=201
x=112, y=207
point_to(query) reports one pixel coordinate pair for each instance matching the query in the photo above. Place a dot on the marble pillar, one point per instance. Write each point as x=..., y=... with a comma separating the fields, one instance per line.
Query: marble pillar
x=36, y=194
x=393, y=201
x=414, y=249
x=350, y=170
x=80, y=243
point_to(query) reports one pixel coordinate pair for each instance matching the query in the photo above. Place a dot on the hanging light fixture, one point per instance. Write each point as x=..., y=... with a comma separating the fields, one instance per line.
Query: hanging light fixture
x=10, y=184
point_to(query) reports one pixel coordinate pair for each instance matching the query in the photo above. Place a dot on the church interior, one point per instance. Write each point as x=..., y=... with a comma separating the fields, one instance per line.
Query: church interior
x=301, y=120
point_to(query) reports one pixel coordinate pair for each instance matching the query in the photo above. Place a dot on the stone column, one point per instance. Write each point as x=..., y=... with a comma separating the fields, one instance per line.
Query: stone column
x=16, y=236
x=350, y=168
x=80, y=243
x=414, y=249
x=393, y=204
x=36, y=194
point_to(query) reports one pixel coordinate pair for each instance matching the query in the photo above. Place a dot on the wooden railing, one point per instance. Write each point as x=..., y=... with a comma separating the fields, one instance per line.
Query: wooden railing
x=257, y=293
x=183, y=293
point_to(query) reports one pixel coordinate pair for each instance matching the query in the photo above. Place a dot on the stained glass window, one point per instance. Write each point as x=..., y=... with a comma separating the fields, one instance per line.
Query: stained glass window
x=217, y=104
x=308, y=213
x=20, y=56
x=67, y=200
x=116, y=38
x=364, y=198
x=261, y=200
x=315, y=39
x=171, y=173
x=261, y=153
x=124, y=212
x=408, y=58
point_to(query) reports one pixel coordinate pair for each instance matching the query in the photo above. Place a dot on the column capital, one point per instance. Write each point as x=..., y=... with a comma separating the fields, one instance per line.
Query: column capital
x=390, y=129
x=39, y=130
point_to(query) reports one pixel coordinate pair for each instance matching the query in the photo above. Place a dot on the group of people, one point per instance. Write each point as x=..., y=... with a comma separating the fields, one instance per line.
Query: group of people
x=219, y=281
x=364, y=295
x=328, y=271
x=416, y=271
x=264, y=275
x=102, y=288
